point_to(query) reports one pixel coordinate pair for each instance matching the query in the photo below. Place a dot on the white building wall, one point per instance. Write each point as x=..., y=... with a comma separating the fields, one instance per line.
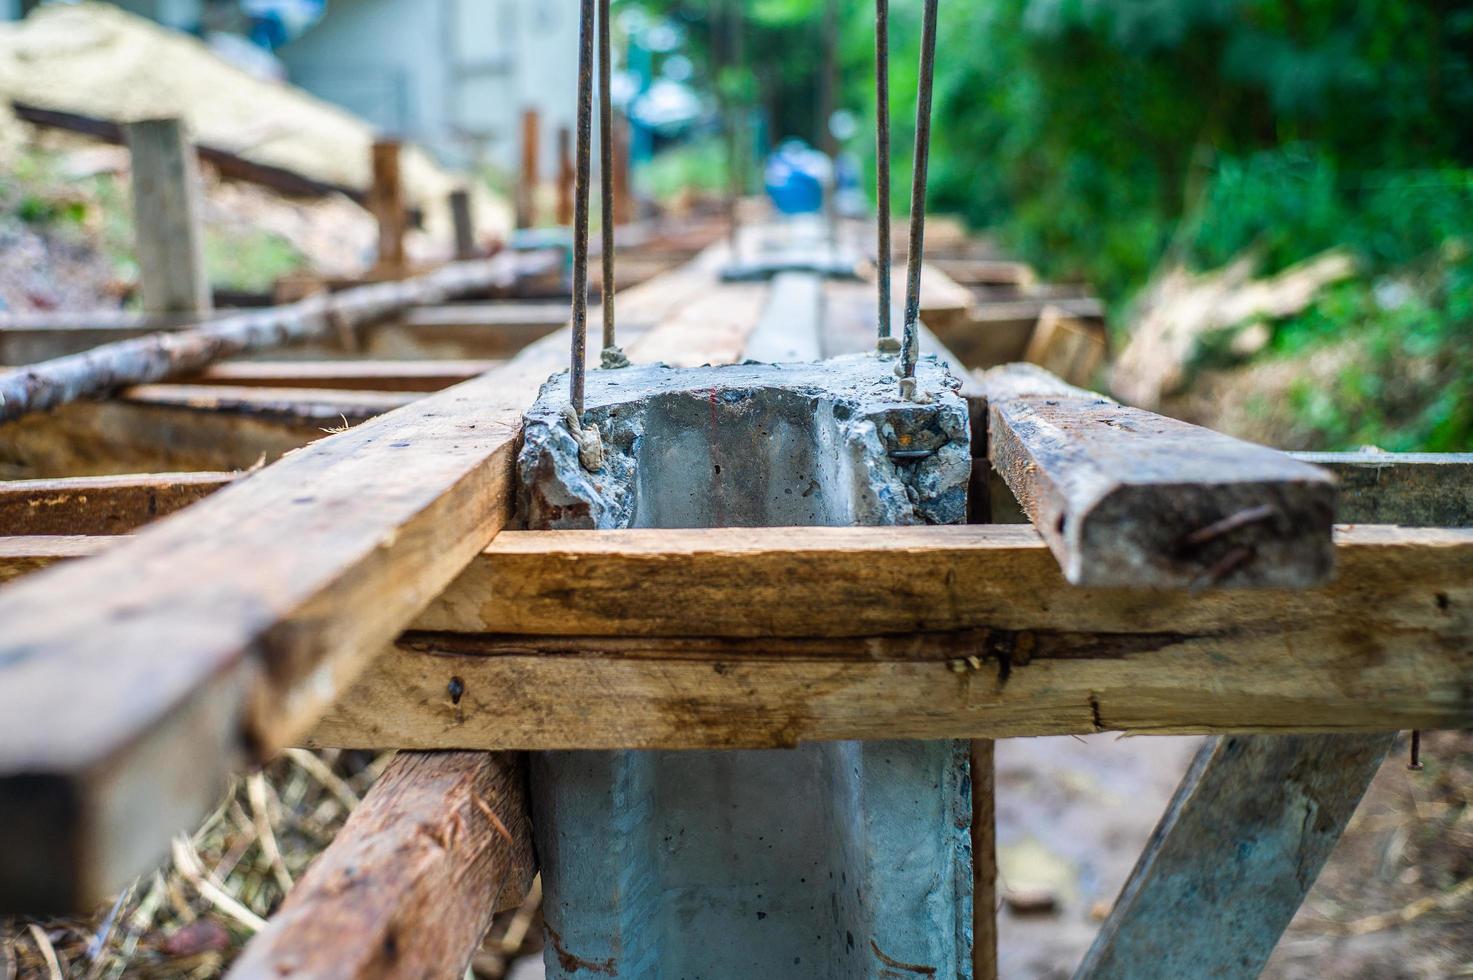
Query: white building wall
x=452, y=75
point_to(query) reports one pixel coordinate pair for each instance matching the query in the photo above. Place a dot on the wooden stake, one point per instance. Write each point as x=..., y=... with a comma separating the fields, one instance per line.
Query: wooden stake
x=167, y=221
x=564, y=176
x=465, y=228
x=529, y=177
x=386, y=200
x=1242, y=841
x=623, y=204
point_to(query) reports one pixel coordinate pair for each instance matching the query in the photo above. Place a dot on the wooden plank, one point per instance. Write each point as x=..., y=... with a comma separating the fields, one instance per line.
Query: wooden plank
x=302, y=406
x=100, y=505
x=1054, y=659
x=407, y=889
x=378, y=375
x=1070, y=349
x=158, y=356
x=168, y=224
x=1129, y=498
x=21, y=556
x=122, y=436
x=1415, y=489
x=1240, y=845
x=213, y=639
x=781, y=635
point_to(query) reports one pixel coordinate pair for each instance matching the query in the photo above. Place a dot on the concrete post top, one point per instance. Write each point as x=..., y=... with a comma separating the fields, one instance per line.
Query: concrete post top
x=830, y=442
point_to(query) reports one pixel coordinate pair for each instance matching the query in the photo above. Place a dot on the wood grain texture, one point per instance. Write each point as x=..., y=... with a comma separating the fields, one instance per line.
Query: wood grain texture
x=776, y=636
x=98, y=438
x=376, y=375
x=168, y=223
x=21, y=556
x=216, y=638
x=100, y=505
x=1415, y=489
x=1129, y=498
x=1241, y=842
x=407, y=889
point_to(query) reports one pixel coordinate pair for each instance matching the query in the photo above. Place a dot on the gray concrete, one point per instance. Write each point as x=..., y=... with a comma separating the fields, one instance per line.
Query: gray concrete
x=751, y=445
x=833, y=861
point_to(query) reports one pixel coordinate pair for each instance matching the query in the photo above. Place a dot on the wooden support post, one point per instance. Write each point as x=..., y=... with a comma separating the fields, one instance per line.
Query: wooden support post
x=464, y=223
x=1242, y=841
x=564, y=176
x=529, y=176
x=386, y=200
x=623, y=200
x=1129, y=498
x=167, y=220
x=407, y=889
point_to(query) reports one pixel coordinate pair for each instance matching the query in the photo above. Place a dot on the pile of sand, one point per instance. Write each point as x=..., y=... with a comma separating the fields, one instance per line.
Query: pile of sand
x=97, y=60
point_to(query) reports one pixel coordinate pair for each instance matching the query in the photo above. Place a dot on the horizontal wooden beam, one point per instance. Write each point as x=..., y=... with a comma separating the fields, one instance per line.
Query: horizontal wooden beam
x=1415, y=489
x=775, y=636
x=119, y=435
x=1129, y=498
x=408, y=887
x=213, y=639
x=304, y=406
x=375, y=375
x=100, y=504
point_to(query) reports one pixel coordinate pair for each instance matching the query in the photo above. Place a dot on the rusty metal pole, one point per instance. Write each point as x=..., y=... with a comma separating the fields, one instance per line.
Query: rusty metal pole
x=910, y=346
x=886, y=343
x=580, y=208
x=610, y=356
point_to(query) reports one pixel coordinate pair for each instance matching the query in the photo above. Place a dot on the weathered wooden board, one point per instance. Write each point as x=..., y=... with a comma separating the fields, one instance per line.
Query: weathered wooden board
x=1240, y=845
x=376, y=375
x=773, y=636
x=123, y=436
x=219, y=636
x=100, y=505
x=1129, y=498
x=168, y=222
x=21, y=556
x=407, y=889
x=1415, y=489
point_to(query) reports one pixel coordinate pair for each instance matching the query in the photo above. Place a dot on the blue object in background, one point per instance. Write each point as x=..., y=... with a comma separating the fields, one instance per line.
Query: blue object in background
x=795, y=177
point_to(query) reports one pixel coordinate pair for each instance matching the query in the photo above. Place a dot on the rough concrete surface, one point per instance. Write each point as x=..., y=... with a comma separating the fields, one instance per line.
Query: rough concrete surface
x=751, y=445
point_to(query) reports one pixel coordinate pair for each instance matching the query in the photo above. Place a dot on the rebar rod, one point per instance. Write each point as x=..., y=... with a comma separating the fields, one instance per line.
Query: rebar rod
x=606, y=169
x=882, y=163
x=580, y=208
x=734, y=129
x=910, y=348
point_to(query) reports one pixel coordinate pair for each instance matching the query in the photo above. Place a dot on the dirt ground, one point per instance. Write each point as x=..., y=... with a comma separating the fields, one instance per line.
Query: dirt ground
x=1395, y=902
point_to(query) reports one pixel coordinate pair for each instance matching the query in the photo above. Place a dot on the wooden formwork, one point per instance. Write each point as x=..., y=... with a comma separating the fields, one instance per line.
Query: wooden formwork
x=358, y=589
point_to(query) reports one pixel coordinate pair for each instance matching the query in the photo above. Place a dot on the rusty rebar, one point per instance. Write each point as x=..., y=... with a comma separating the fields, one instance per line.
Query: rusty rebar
x=580, y=208
x=606, y=168
x=910, y=346
x=882, y=164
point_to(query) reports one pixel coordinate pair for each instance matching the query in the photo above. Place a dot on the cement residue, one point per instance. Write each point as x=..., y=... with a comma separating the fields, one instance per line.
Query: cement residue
x=751, y=445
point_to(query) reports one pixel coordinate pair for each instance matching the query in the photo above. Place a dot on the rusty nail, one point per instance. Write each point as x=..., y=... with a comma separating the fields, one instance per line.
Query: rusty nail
x=1243, y=518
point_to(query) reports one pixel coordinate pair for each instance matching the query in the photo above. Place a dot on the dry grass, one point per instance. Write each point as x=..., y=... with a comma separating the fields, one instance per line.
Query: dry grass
x=191, y=917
